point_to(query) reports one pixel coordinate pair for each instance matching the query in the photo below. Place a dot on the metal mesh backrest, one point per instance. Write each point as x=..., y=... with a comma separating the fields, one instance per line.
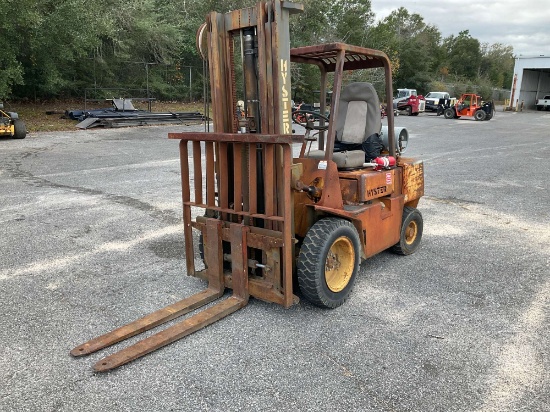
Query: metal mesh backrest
x=358, y=113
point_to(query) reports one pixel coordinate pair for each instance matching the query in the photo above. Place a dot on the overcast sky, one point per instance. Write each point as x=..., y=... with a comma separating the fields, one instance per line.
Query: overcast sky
x=522, y=24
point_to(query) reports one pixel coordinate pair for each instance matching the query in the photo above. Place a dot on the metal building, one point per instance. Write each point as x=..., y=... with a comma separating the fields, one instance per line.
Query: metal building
x=531, y=80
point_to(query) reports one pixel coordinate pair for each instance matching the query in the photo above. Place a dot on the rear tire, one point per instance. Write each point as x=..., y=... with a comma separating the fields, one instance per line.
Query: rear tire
x=411, y=232
x=449, y=113
x=19, y=129
x=328, y=262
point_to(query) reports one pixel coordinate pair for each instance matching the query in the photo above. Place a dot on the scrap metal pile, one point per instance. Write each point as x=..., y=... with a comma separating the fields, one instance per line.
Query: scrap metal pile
x=124, y=114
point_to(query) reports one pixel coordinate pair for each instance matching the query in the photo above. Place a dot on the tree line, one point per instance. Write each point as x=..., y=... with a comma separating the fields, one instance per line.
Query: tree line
x=59, y=48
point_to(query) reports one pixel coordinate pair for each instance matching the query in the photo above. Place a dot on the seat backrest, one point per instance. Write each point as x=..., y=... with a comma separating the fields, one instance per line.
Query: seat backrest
x=358, y=113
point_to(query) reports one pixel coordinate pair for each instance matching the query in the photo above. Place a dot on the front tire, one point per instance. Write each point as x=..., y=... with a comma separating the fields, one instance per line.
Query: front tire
x=328, y=262
x=410, y=236
x=480, y=115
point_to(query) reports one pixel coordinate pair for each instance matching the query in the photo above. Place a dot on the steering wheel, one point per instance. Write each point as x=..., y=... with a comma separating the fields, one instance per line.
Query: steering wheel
x=309, y=116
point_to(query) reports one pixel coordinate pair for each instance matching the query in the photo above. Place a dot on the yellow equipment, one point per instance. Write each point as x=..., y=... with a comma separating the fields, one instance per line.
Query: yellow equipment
x=11, y=125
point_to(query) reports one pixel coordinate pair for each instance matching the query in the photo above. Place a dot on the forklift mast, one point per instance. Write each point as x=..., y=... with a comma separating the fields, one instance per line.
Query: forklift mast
x=260, y=35
x=248, y=161
x=236, y=181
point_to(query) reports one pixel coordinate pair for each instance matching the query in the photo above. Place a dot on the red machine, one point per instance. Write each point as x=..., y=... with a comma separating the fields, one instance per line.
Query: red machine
x=409, y=101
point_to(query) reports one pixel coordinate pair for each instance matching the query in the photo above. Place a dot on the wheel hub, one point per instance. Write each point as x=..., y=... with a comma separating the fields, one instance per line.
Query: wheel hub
x=411, y=232
x=339, y=264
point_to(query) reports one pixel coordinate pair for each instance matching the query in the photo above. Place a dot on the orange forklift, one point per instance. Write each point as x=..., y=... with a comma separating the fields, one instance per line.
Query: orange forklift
x=279, y=215
x=471, y=105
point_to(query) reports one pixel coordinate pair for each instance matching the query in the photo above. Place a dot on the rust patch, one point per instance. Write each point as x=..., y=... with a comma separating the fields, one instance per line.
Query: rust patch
x=413, y=180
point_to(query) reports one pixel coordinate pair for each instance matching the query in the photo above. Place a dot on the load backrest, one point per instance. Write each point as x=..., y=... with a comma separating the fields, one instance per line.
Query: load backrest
x=358, y=113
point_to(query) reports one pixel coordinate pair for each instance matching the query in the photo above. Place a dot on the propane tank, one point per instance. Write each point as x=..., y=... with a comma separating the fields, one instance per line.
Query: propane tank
x=379, y=163
x=401, y=138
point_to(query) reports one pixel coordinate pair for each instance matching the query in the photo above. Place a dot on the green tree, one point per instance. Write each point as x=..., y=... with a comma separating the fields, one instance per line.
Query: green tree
x=15, y=18
x=412, y=45
x=350, y=20
x=463, y=55
x=497, y=64
x=58, y=48
x=55, y=36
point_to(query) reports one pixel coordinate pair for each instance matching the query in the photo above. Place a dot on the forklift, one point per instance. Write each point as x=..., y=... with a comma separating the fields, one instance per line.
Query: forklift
x=471, y=105
x=11, y=125
x=275, y=215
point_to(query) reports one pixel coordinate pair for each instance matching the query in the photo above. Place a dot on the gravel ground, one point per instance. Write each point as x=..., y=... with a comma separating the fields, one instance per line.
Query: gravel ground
x=91, y=238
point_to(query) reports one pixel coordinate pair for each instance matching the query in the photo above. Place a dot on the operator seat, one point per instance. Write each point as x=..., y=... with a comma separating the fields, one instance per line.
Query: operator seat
x=358, y=118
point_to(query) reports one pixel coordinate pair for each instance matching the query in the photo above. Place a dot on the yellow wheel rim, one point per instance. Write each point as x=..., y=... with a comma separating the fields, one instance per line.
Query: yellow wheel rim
x=339, y=264
x=411, y=232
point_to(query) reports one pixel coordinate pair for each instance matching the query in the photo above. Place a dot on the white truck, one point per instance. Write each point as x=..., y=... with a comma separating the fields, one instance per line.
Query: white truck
x=433, y=99
x=544, y=103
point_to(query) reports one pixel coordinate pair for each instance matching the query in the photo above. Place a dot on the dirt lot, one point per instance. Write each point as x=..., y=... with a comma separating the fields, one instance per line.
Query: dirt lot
x=91, y=238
